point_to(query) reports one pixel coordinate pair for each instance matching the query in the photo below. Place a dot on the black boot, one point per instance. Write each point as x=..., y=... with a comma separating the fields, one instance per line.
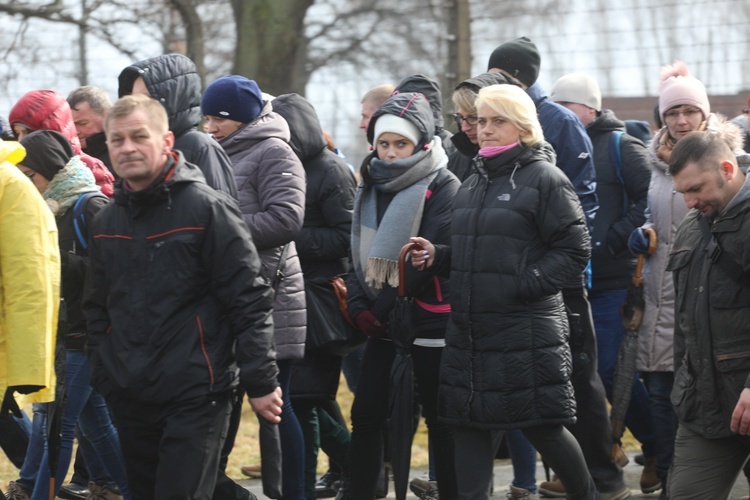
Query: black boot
x=325, y=487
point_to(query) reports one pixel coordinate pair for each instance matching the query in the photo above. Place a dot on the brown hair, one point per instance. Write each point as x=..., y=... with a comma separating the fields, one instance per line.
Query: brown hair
x=129, y=104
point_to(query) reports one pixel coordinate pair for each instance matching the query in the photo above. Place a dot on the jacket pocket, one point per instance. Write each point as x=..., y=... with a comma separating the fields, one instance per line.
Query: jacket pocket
x=678, y=261
x=683, y=392
x=733, y=369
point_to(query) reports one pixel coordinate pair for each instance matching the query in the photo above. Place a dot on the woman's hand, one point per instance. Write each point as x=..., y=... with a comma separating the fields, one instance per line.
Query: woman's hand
x=425, y=256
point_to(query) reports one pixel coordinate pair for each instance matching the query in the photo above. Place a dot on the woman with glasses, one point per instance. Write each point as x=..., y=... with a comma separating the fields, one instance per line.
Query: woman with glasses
x=465, y=140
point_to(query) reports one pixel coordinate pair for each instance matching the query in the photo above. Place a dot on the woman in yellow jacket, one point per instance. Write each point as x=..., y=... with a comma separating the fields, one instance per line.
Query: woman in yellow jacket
x=29, y=285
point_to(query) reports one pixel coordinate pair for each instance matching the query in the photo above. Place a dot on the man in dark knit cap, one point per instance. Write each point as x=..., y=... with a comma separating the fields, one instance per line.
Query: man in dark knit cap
x=520, y=59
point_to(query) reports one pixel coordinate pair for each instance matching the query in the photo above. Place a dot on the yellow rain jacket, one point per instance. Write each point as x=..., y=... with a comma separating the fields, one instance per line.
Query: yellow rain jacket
x=29, y=282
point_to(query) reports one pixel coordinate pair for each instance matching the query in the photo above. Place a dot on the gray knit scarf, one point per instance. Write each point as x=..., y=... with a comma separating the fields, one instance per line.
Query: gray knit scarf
x=375, y=247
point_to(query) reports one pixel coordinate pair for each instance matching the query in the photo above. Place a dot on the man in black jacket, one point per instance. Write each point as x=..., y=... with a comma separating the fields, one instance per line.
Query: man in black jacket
x=177, y=312
x=173, y=80
x=622, y=179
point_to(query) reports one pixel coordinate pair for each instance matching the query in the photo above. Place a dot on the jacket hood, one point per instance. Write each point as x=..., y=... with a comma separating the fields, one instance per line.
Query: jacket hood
x=46, y=110
x=486, y=79
x=12, y=152
x=606, y=122
x=269, y=124
x=421, y=84
x=173, y=80
x=307, y=139
x=462, y=143
x=412, y=107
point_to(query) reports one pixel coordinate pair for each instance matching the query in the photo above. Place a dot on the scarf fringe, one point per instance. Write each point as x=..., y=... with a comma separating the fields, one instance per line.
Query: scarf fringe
x=380, y=271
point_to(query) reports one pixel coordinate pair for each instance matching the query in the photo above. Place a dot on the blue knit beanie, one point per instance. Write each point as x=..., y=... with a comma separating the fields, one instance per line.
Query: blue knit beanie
x=233, y=97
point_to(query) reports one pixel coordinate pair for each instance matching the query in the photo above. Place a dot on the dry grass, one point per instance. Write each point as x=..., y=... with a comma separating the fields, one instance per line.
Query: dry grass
x=246, y=449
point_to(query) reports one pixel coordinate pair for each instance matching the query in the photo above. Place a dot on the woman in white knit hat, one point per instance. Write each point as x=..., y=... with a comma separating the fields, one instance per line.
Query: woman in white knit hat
x=406, y=191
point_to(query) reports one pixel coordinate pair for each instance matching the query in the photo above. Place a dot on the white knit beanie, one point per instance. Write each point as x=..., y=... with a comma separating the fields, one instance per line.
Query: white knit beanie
x=396, y=125
x=580, y=88
x=678, y=88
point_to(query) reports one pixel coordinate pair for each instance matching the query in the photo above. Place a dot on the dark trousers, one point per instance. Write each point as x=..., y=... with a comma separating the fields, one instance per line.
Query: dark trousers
x=369, y=412
x=475, y=452
x=323, y=431
x=592, y=429
x=226, y=488
x=706, y=468
x=172, y=450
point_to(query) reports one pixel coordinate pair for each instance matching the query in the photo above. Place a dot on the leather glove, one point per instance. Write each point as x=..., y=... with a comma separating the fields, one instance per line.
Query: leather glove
x=639, y=241
x=369, y=324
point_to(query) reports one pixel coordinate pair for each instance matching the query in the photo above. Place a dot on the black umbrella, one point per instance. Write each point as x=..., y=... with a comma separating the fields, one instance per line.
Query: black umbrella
x=632, y=315
x=56, y=411
x=401, y=393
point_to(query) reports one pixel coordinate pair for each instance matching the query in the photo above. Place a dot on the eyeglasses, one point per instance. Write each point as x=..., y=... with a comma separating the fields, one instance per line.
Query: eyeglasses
x=471, y=120
x=674, y=114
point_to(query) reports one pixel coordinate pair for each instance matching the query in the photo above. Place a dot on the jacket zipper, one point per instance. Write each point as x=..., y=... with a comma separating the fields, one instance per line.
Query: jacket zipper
x=205, y=353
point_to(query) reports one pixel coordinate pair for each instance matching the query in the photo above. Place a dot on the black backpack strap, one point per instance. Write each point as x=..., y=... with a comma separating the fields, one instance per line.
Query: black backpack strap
x=719, y=257
x=79, y=218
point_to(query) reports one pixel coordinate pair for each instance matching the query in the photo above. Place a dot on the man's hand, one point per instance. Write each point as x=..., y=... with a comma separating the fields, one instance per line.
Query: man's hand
x=741, y=414
x=268, y=406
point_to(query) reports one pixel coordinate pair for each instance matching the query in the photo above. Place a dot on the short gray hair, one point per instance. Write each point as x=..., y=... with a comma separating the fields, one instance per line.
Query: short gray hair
x=97, y=98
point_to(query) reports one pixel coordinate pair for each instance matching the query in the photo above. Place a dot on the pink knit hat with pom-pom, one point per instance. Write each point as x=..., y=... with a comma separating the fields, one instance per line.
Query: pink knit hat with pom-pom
x=678, y=87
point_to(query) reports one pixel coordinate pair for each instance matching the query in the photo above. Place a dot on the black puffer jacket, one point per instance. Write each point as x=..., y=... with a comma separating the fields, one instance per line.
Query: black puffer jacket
x=74, y=259
x=460, y=161
x=173, y=80
x=323, y=241
x=174, y=297
x=518, y=235
x=611, y=263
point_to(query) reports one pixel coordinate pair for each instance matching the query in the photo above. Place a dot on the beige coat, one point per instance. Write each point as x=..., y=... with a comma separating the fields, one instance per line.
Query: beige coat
x=665, y=212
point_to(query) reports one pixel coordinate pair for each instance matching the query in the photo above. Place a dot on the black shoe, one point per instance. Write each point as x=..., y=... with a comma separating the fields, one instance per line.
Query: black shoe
x=73, y=491
x=325, y=487
x=639, y=459
x=343, y=487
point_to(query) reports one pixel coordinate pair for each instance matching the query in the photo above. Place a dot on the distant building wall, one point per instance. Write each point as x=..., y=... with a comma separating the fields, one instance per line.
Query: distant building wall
x=642, y=108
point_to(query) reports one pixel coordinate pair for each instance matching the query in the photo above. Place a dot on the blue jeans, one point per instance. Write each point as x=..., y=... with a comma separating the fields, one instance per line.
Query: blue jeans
x=27, y=476
x=605, y=307
x=523, y=458
x=663, y=418
x=292, y=440
x=85, y=407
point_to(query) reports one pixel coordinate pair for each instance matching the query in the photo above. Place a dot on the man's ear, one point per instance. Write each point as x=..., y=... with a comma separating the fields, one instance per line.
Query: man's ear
x=168, y=141
x=728, y=170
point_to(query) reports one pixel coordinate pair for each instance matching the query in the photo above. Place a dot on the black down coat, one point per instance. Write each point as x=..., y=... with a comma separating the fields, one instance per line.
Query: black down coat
x=173, y=80
x=518, y=235
x=323, y=241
